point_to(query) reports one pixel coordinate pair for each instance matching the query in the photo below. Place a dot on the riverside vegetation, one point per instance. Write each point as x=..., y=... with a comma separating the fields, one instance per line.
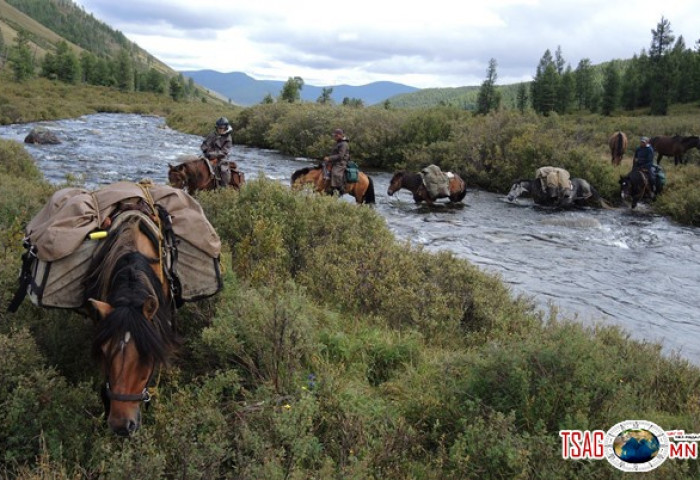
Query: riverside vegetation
x=335, y=351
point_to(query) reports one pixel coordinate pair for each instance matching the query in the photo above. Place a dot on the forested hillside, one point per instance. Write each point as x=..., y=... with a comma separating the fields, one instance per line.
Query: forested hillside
x=75, y=25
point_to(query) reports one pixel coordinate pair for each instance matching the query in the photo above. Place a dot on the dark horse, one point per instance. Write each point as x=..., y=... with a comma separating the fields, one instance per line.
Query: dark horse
x=129, y=291
x=194, y=174
x=582, y=193
x=362, y=190
x=413, y=182
x=675, y=147
x=618, y=147
x=635, y=187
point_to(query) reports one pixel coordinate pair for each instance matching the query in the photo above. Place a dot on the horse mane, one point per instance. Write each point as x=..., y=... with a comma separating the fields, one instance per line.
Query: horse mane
x=304, y=171
x=124, y=279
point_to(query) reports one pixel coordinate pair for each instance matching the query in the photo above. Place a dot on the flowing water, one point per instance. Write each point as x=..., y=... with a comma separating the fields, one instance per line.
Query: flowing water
x=632, y=269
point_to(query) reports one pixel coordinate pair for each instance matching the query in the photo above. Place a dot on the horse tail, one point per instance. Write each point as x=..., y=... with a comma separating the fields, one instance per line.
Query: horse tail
x=369, y=194
x=618, y=149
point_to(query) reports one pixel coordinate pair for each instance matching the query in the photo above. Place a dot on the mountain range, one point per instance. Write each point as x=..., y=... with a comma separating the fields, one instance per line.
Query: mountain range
x=242, y=89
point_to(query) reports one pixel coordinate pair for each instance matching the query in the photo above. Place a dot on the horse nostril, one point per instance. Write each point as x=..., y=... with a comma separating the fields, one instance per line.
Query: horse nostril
x=132, y=426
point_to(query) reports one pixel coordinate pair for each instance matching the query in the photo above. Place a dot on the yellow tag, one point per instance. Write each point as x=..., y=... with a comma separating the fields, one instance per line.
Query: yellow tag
x=97, y=235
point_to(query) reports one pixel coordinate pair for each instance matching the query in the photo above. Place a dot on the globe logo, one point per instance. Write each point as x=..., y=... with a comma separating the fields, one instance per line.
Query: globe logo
x=636, y=446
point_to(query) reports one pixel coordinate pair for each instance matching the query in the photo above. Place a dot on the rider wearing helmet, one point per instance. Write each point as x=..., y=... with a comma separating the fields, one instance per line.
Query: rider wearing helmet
x=215, y=149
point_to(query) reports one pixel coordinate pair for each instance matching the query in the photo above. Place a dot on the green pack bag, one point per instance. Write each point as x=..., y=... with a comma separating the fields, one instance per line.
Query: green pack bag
x=351, y=172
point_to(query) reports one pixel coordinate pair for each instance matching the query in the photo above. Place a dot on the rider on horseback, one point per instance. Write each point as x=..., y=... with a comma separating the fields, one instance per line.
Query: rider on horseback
x=216, y=148
x=644, y=161
x=337, y=162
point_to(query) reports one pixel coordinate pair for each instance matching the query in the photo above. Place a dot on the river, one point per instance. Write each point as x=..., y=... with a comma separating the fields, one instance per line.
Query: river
x=612, y=267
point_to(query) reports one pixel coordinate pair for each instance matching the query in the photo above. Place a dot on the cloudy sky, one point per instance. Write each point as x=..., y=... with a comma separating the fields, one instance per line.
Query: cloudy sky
x=423, y=43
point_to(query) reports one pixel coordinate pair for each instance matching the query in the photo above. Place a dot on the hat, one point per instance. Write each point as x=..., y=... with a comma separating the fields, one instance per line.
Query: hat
x=338, y=131
x=644, y=139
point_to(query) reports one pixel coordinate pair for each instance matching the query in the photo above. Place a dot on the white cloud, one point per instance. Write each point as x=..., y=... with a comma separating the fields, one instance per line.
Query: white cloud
x=437, y=43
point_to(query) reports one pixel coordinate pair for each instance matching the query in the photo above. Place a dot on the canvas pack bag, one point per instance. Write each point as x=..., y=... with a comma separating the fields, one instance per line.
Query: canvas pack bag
x=62, y=238
x=436, y=182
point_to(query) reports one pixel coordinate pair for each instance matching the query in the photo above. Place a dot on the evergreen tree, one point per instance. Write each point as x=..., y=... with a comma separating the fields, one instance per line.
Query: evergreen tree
x=21, y=58
x=488, y=98
x=584, y=85
x=566, y=91
x=611, y=89
x=67, y=63
x=177, y=88
x=267, y=99
x=291, y=90
x=545, y=84
x=124, y=73
x=661, y=74
x=522, y=97
x=559, y=61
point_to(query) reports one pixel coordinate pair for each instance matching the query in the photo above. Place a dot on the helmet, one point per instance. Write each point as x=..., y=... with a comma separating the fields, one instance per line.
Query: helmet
x=222, y=122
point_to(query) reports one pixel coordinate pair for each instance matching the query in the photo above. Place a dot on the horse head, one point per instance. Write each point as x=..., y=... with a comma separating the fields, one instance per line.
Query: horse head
x=133, y=315
x=395, y=184
x=517, y=189
x=177, y=176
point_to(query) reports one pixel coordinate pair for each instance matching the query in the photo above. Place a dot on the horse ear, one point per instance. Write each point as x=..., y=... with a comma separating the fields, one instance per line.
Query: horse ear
x=150, y=307
x=103, y=308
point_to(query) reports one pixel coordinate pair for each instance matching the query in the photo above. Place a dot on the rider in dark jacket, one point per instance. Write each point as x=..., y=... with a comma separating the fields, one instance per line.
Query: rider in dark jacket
x=216, y=148
x=644, y=160
x=338, y=160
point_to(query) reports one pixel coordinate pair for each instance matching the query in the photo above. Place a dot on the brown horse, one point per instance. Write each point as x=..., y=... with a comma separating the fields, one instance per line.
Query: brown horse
x=675, y=147
x=194, y=174
x=618, y=147
x=414, y=183
x=362, y=190
x=129, y=290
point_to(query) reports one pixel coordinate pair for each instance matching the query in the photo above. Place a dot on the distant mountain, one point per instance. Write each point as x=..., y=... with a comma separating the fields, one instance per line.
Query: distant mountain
x=244, y=90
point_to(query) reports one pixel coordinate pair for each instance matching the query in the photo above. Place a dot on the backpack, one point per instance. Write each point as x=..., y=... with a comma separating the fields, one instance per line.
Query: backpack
x=352, y=172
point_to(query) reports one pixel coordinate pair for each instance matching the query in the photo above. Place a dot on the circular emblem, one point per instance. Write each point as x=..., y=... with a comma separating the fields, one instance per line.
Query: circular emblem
x=636, y=446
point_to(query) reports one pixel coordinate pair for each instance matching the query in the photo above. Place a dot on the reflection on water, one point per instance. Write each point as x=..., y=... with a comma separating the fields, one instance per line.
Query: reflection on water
x=631, y=269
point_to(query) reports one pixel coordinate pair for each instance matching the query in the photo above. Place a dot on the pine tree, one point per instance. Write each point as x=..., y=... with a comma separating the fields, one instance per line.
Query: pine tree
x=522, y=97
x=611, y=89
x=584, y=85
x=488, y=98
x=661, y=75
x=21, y=59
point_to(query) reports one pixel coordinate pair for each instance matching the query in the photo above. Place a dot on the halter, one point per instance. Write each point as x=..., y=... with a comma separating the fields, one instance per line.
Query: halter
x=145, y=396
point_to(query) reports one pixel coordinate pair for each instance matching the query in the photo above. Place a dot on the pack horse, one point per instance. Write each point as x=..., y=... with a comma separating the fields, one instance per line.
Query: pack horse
x=127, y=255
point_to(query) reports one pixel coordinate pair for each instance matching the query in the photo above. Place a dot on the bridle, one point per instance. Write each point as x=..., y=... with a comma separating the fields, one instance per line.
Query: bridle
x=144, y=396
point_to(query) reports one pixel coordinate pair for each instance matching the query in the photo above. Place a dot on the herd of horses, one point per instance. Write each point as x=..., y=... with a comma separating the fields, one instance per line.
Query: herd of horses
x=195, y=174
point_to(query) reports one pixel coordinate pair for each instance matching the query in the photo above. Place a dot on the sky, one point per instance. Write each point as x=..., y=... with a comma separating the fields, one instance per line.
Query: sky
x=420, y=43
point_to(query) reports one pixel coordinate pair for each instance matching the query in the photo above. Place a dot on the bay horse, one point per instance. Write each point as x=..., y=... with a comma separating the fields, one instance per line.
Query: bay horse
x=635, y=187
x=582, y=193
x=618, y=147
x=133, y=311
x=413, y=182
x=362, y=190
x=194, y=174
x=675, y=147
